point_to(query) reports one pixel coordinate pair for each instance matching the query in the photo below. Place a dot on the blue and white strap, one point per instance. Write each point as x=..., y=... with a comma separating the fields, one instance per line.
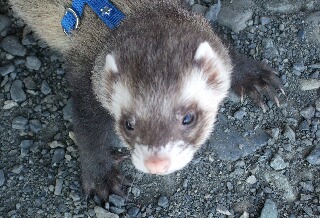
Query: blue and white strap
x=106, y=11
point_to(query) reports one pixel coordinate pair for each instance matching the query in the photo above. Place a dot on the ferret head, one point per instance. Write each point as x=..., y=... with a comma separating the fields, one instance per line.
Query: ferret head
x=164, y=99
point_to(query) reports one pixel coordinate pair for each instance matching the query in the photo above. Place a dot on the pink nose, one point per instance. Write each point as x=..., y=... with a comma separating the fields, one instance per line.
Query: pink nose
x=157, y=165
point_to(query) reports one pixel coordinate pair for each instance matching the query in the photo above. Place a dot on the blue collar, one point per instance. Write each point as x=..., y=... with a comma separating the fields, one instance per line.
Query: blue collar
x=106, y=11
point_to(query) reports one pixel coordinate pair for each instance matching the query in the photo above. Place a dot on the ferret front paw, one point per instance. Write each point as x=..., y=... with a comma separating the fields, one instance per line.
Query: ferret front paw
x=258, y=81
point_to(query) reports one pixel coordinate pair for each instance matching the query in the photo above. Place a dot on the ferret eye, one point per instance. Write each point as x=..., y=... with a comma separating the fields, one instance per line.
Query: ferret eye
x=129, y=126
x=188, y=119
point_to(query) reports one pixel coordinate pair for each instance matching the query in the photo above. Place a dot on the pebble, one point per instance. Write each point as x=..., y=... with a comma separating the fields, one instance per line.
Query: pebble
x=251, y=179
x=265, y=20
x=314, y=157
x=25, y=146
x=12, y=45
x=223, y=210
x=135, y=191
x=29, y=83
x=117, y=210
x=309, y=84
x=281, y=182
x=33, y=63
x=58, y=187
x=235, y=14
x=239, y=114
x=2, y=178
x=58, y=155
x=117, y=200
x=299, y=67
x=304, y=125
x=307, y=186
x=163, y=201
x=5, y=22
x=17, y=169
x=278, y=163
x=45, y=88
x=6, y=69
x=35, y=126
x=9, y=104
x=200, y=9
x=19, y=123
x=16, y=91
x=317, y=104
x=274, y=133
x=133, y=211
x=277, y=6
x=75, y=196
x=269, y=210
x=102, y=213
x=213, y=11
x=290, y=134
x=56, y=144
x=308, y=112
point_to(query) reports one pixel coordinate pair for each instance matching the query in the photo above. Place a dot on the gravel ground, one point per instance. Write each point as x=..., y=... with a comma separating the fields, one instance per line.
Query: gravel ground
x=255, y=164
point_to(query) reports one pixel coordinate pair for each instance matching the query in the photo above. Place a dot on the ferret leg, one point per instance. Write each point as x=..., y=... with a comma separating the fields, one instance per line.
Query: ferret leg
x=255, y=79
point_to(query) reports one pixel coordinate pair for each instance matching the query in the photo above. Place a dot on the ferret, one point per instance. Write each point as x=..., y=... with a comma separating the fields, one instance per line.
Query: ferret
x=161, y=73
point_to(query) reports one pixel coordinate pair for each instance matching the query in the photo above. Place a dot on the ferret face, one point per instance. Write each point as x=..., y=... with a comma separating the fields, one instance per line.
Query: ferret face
x=164, y=115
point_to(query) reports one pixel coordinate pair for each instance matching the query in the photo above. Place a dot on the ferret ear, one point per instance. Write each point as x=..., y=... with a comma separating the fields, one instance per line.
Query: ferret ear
x=204, y=52
x=110, y=64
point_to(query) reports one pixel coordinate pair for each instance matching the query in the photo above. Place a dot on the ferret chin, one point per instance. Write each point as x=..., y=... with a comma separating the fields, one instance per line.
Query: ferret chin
x=161, y=74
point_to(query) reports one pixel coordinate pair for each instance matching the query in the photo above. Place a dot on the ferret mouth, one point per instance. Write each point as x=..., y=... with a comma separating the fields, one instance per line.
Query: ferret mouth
x=162, y=161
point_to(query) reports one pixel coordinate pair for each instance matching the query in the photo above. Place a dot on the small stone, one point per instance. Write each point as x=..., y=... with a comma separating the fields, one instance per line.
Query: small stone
x=274, y=133
x=314, y=157
x=269, y=210
x=117, y=200
x=6, y=69
x=133, y=211
x=19, y=123
x=12, y=45
x=163, y=201
x=223, y=210
x=278, y=163
x=289, y=133
x=25, y=146
x=17, y=169
x=58, y=187
x=309, y=84
x=5, y=22
x=45, y=88
x=317, y=104
x=307, y=186
x=29, y=83
x=281, y=182
x=67, y=111
x=281, y=27
x=308, y=112
x=117, y=210
x=265, y=20
x=2, y=178
x=213, y=11
x=33, y=63
x=16, y=91
x=304, y=125
x=75, y=196
x=102, y=213
x=299, y=67
x=251, y=179
x=239, y=114
x=135, y=191
x=200, y=9
x=58, y=155
x=9, y=104
x=35, y=126
x=56, y=144
x=60, y=71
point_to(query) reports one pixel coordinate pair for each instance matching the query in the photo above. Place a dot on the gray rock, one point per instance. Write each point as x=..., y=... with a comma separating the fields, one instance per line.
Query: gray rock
x=2, y=178
x=29, y=83
x=232, y=145
x=135, y=191
x=19, y=123
x=35, y=126
x=313, y=28
x=304, y=125
x=239, y=114
x=67, y=111
x=12, y=45
x=102, y=213
x=25, y=146
x=117, y=210
x=117, y=200
x=290, y=134
x=299, y=67
x=74, y=195
x=58, y=155
x=317, y=104
x=17, y=169
x=6, y=69
x=213, y=11
x=16, y=91
x=278, y=163
x=33, y=63
x=282, y=183
x=314, y=157
x=283, y=6
x=274, y=133
x=5, y=22
x=45, y=88
x=200, y=9
x=235, y=14
x=265, y=20
x=133, y=211
x=308, y=112
x=309, y=84
x=307, y=186
x=56, y=144
x=163, y=201
x=58, y=186
x=60, y=71
x=269, y=210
